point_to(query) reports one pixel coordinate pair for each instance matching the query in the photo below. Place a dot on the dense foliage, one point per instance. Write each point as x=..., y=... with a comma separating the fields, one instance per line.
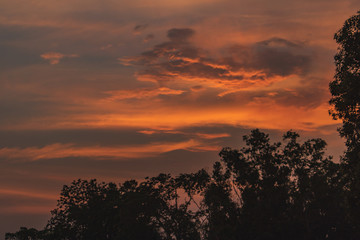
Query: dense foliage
x=265, y=190
x=345, y=86
x=345, y=90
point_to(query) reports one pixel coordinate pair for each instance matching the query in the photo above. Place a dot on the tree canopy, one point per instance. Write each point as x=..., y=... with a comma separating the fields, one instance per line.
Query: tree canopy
x=346, y=84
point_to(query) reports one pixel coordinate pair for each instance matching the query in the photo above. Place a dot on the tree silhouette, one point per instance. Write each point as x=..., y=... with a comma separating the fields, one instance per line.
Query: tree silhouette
x=151, y=209
x=27, y=234
x=265, y=190
x=285, y=192
x=346, y=84
x=345, y=90
x=91, y=210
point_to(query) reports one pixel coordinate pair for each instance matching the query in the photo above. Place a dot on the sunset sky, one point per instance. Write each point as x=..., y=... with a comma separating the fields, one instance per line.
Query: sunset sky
x=126, y=89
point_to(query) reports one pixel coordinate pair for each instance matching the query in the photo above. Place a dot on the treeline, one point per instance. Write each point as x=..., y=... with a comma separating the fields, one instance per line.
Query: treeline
x=262, y=191
x=288, y=190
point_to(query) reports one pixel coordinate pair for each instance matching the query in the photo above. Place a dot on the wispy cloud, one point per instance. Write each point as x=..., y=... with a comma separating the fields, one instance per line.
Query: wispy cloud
x=28, y=194
x=100, y=152
x=139, y=28
x=55, y=57
x=213, y=135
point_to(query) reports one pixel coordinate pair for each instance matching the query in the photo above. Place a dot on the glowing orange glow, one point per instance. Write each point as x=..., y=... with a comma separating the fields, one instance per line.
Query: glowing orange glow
x=260, y=114
x=145, y=93
x=213, y=136
x=263, y=113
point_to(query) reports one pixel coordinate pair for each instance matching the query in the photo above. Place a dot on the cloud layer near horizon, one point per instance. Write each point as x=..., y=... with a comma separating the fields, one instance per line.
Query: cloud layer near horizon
x=115, y=90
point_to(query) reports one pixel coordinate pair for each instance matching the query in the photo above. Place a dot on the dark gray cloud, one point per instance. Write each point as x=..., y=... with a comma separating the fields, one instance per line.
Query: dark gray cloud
x=278, y=56
x=180, y=57
x=197, y=88
x=149, y=37
x=307, y=97
x=180, y=35
x=140, y=27
x=274, y=56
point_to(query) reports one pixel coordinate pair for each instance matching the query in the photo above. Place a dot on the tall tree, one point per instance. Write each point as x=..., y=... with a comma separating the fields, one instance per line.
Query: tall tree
x=345, y=90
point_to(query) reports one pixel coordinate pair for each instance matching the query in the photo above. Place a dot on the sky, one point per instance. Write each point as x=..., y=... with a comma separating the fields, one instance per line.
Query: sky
x=118, y=90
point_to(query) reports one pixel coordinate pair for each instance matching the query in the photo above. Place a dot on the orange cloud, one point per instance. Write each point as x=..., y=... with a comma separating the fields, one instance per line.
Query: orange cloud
x=213, y=136
x=262, y=113
x=55, y=57
x=142, y=93
x=147, y=132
